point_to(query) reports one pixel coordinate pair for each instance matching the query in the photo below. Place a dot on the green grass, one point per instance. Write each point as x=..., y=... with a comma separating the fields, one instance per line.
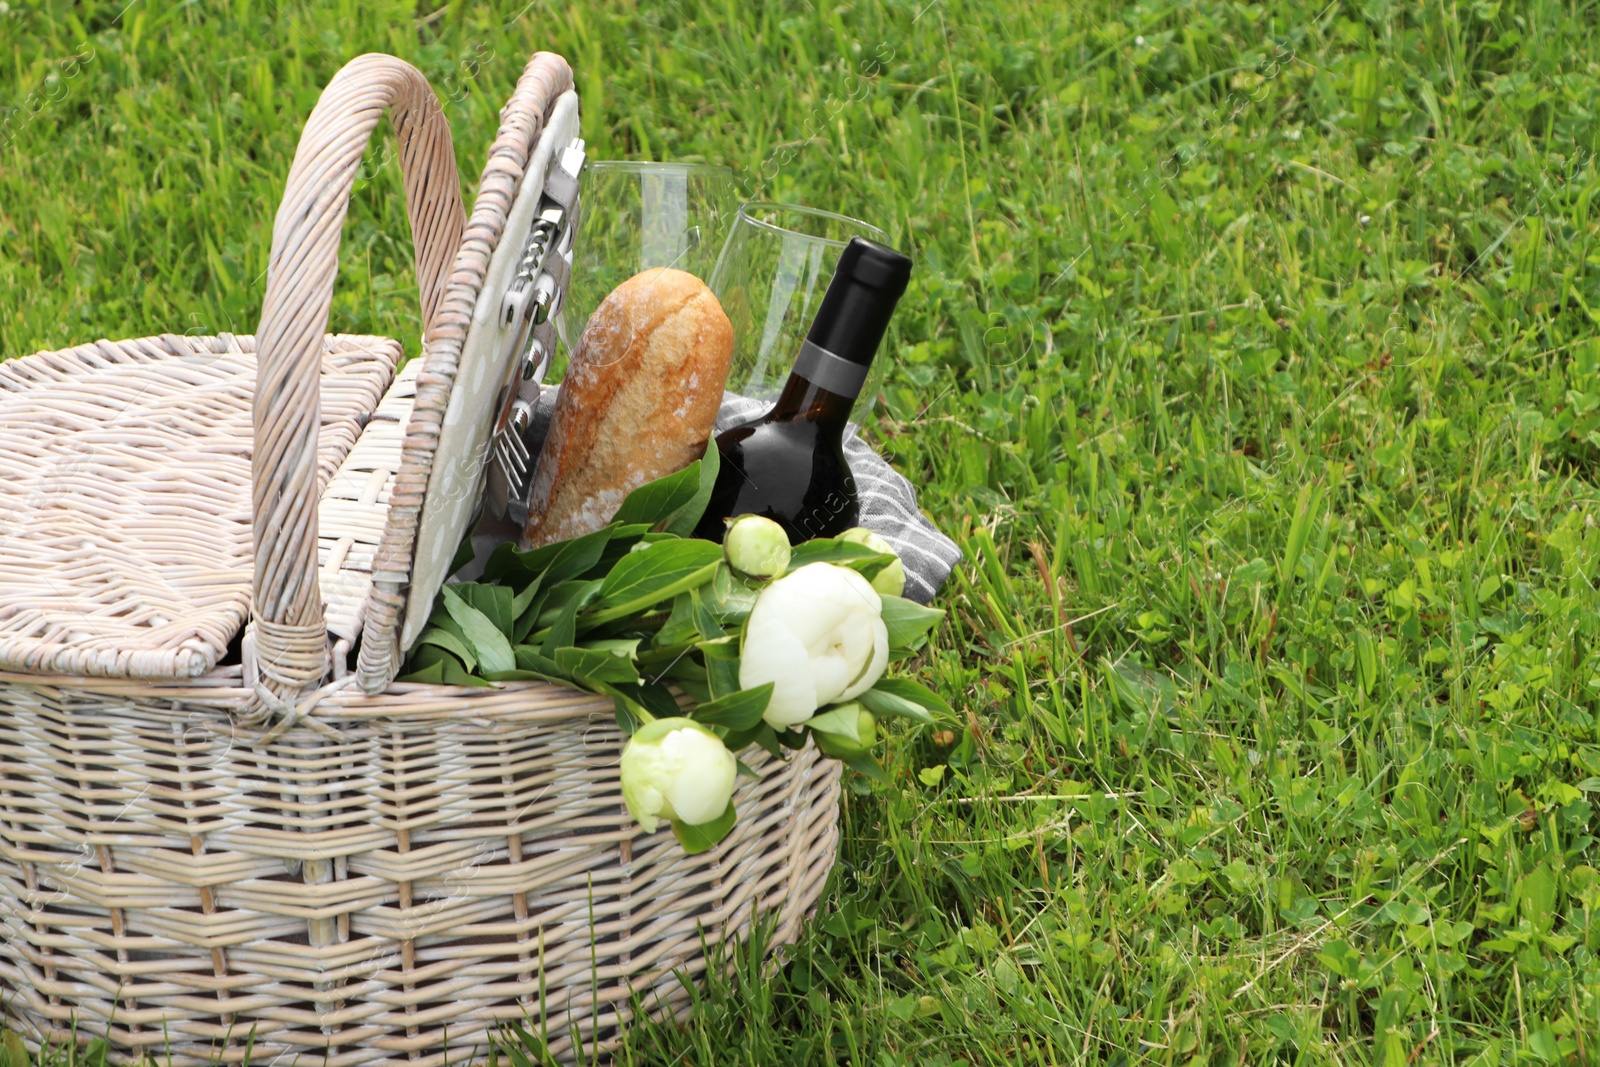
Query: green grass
x=1251, y=357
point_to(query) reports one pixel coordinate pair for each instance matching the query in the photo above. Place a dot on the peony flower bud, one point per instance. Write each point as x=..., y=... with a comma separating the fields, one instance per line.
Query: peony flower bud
x=818, y=636
x=891, y=581
x=845, y=732
x=756, y=547
x=676, y=769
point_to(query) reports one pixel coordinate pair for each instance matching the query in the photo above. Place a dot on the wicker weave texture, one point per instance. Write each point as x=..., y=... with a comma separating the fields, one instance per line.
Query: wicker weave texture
x=125, y=496
x=376, y=898
x=262, y=862
x=544, y=79
x=288, y=632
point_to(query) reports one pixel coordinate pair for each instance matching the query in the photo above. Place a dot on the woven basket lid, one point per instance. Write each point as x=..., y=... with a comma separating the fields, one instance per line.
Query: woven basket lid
x=442, y=463
x=125, y=512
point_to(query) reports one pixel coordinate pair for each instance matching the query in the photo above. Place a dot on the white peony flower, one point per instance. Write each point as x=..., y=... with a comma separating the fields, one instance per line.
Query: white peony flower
x=676, y=769
x=818, y=635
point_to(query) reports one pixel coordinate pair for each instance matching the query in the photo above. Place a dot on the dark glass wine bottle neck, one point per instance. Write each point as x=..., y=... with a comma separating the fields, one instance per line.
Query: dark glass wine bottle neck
x=803, y=400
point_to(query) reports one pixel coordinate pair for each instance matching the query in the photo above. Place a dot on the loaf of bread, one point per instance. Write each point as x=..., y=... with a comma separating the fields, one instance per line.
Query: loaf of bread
x=637, y=403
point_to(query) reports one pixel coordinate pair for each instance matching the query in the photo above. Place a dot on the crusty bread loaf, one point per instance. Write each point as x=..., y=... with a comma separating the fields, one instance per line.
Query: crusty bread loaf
x=637, y=403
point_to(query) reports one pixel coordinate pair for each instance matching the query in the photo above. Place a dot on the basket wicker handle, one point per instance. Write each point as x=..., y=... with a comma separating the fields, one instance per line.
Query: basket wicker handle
x=289, y=631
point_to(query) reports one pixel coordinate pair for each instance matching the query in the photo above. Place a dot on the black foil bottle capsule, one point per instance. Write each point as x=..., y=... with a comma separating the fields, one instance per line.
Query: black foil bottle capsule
x=788, y=465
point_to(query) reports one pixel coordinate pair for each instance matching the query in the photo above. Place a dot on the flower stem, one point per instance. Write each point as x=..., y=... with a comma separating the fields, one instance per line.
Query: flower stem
x=688, y=581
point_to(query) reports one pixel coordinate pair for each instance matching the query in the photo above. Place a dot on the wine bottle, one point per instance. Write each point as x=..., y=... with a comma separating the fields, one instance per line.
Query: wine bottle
x=788, y=464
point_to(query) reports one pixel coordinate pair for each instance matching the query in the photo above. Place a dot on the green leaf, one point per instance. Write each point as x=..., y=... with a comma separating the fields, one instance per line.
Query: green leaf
x=657, y=699
x=624, y=539
x=578, y=592
x=902, y=1008
x=698, y=839
x=653, y=574
x=683, y=521
x=691, y=677
x=553, y=562
x=883, y=702
x=488, y=643
x=627, y=714
x=506, y=564
x=578, y=555
x=495, y=601
x=626, y=647
x=528, y=617
x=859, y=558
x=907, y=621
x=915, y=692
x=845, y=721
x=13, y=1053
x=655, y=566
x=706, y=623
x=1543, y=1044
x=455, y=674
x=722, y=666
x=655, y=501
x=531, y=659
x=563, y=630
x=438, y=635
x=441, y=618
x=730, y=596
x=869, y=568
x=524, y=600
x=533, y=1051
x=548, y=564
x=432, y=674
x=870, y=767
x=591, y=667
x=432, y=665
x=679, y=627
x=761, y=735
x=425, y=656
x=1366, y=661
x=520, y=675
x=828, y=550
x=737, y=711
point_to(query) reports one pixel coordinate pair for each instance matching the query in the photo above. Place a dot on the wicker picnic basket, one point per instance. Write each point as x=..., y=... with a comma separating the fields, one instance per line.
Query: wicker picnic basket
x=225, y=832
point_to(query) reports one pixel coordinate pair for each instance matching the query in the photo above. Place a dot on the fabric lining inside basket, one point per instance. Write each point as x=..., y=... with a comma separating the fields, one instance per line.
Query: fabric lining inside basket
x=125, y=500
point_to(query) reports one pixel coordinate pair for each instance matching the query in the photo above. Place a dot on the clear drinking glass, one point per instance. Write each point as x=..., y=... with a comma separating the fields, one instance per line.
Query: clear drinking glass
x=770, y=278
x=637, y=216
